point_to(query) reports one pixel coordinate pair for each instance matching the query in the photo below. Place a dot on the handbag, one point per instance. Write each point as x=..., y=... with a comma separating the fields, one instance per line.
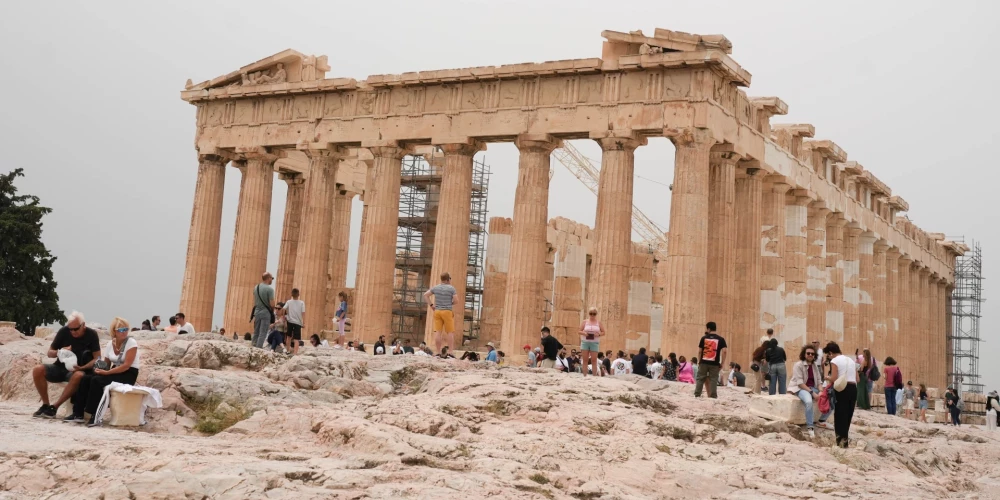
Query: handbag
x=254, y=310
x=873, y=372
x=755, y=367
x=824, y=401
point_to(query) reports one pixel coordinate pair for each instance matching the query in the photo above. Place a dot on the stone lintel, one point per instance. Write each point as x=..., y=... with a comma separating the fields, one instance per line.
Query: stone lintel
x=828, y=149
x=852, y=168
x=936, y=236
x=956, y=249
x=771, y=105
x=899, y=204
x=803, y=193
x=796, y=129
x=670, y=40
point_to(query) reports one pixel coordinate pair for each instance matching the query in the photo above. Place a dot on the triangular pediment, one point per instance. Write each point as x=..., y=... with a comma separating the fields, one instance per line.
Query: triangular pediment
x=287, y=66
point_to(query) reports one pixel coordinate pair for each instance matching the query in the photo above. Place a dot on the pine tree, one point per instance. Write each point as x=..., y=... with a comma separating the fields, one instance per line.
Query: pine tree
x=27, y=289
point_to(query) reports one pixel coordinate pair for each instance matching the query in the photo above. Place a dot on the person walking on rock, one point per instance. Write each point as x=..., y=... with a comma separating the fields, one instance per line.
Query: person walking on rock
x=954, y=404
x=893, y=382
x=761, y=366
x=844, y=378
x=444, y=319
x=263, y=310
x=712, y=348
x=591, y=331
x=776, y=357
x=295, y=311
x=340, y=318
x=551, y=346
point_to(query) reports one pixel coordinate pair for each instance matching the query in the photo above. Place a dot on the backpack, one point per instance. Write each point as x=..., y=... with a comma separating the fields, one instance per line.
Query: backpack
x=960, y=404
x=873, y=372
x=897, y=379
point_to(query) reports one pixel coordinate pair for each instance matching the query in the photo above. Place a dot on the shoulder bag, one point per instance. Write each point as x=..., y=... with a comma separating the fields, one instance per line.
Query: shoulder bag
x=252, y=311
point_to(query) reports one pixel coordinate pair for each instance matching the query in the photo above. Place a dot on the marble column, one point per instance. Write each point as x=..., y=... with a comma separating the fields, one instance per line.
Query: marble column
x=933, y=352
x=377, y=256
x=892, y=338
x=684, y=313
x=903, y=302
x=835, y=271
x=746, y=309
x=451, y=234
x=949, y=330
x=914, y=335
x=253, y=224
x=202, y=263
x=941, y=341
x=817, y=274
x=312, y=260
x=721, y=285
x=340, y=240
x=524, y=300
x=608, y=286
x=772, y=261
x=290, y=231
x=852, y=289
x=796, y=272
x=866, y=290
x=879, y=321
x=495, y=280
x=923, y=309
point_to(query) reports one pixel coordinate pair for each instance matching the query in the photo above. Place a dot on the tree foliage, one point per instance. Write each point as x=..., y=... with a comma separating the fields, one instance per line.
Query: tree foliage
x=27, y=289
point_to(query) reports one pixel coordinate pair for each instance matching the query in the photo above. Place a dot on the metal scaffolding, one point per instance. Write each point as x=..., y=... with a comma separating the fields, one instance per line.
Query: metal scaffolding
x=966, y=310
x=419, y=195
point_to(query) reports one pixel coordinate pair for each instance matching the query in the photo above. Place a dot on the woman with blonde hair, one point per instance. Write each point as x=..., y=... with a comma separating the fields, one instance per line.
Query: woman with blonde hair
x=591, y=331
x=119, y=363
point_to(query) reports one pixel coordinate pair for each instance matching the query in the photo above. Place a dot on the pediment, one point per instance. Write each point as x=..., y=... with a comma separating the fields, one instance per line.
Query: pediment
x=287, y=66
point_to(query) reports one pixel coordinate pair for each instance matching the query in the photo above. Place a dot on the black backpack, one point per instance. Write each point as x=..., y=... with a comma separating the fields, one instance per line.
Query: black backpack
x=874, y=373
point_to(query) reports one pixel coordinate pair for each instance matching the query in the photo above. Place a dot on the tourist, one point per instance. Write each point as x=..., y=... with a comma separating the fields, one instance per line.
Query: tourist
x=993, y=403
x=670, y=368
x=650, y=361
x=469, y=356
x=844, y=378
x=656, y=369
x=263, y=309
x=776, y=357
x=397, y=347
x=621, y=366
x=316, y=342
x=444, y=320
x=173, y=326
x=360, y=347
x=350, y=345
x=738, y=377
x=380, y=345
x=694, y=366
x=121, y=363
x=685, y=373
x=819, y=354
x=295, y=311
x=767, y=337
x=954, y=404
x=151, y=324
x=83, y=342
x=805, y=384
x=340, y=317
x=640, y=363
x=222, y=331
x=909, y=395
x=183, y=326
x=591, y=331
x=551, y=346
x=729, y=378
x=532, y=359
x=501, y=358
x=278, y=329
x=491, y=352
x=893, y=382
x=562, y=362
x=713, y=348
x=428, y=352
x=759, y=367
x=407, y=348
x=864, y=371
x=445, y=354
x=606, y=364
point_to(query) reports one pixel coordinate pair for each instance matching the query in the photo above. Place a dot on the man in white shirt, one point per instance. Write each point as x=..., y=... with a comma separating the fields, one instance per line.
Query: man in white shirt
x=182, y=325
x=294, y=309
x=621, y=366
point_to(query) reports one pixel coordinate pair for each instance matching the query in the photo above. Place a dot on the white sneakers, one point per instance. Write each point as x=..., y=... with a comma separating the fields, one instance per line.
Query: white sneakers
x=812, y=434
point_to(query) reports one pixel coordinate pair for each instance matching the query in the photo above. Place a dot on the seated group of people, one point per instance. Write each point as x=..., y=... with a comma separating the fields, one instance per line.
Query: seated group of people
x=88, y=370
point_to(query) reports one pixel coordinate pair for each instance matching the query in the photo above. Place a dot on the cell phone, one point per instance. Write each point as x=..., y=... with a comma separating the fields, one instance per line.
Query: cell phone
x=590, y=336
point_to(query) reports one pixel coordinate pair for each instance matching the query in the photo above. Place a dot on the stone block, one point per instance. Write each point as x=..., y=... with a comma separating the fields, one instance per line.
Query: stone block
x=932, y=393
x=566, y=319
x=568, y=285
x=126, y=408
x=569, y=302
x=781, y=407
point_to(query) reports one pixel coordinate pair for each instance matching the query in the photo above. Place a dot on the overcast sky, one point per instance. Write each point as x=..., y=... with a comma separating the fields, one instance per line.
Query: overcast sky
x=93, y=113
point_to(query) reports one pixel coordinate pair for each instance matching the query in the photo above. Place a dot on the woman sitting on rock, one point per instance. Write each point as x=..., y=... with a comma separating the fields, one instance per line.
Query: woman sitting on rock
x=670, y=367
x=684, y=371
x=120, y=357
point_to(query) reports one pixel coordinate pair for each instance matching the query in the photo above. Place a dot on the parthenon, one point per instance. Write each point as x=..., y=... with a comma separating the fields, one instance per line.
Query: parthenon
x=769, y=226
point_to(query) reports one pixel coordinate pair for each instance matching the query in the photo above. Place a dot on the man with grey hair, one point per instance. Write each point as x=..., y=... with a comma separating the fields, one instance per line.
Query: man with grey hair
x=263, y=309
x=75, y=337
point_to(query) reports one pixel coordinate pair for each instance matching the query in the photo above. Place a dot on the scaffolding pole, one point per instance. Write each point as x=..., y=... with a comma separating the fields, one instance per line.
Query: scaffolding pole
x=966, y=310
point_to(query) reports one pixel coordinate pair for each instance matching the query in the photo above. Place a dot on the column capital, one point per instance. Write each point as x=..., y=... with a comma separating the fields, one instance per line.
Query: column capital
x=690, y=137
x=852, y=229
x=618, y=140
x=868, y=237
x=213, y=158
x=749, y=168
x=292, y=178
x=819, y=209
x=836, y=219
x=463, y=146
x=257, y=153
x=537, y=143
x=881, y=246
x=892, y=253
x=723, y=154
x=386, y=149
x=322, y=150
x=777, y=184
x=924, y=272
x=905, y=260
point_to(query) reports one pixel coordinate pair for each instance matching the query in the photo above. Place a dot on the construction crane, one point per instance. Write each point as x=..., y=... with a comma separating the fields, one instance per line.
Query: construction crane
x=589, y=175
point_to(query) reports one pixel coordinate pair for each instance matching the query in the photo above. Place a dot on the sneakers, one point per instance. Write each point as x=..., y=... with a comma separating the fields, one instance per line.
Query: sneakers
x=92, y=423
x=73, y=419
x=45, y=411
x=811, y=433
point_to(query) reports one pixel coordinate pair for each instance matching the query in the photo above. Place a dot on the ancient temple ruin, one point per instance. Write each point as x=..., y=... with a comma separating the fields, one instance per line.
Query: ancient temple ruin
x=769, y=227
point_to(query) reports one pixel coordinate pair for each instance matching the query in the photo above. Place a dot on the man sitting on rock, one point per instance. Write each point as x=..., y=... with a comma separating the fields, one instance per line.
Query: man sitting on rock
x=81, y=341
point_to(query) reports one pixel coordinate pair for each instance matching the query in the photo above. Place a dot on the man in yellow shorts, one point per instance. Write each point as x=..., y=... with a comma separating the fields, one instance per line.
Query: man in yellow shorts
x=444, y=319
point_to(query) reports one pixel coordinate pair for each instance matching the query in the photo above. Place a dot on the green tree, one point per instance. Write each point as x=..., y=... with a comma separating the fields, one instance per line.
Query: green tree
x=27, y=290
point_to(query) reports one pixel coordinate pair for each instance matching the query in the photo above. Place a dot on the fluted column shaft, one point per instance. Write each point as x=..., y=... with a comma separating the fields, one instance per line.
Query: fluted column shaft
x=816, y=274
x=835, y=272
x=290, y=232
x=852, y=289
x=892, y=337
x=451, y=236
x=866, y=290
x=914, y=313
x=746, y=311
x=941, y=351
x=202, y=262
x=923, y=310
x=253, y=224
x=377, y=255
x=933, y=333
x=772, y=261
x=340, y=239
x=721, y=285
x=904, y=301
x=796, y=275
x=609, y=279
x=524, y=300
x=684, y=313
x=879, y=299
x=312, y=261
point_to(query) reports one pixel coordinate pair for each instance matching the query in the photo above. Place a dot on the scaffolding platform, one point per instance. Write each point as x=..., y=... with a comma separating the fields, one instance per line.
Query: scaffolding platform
x=966, y=310
x=422, y=222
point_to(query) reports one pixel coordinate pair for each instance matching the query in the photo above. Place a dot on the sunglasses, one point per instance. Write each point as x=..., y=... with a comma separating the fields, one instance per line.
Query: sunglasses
x=810, y=354
x=122, y=329
x=593, y=314
x=77, y=328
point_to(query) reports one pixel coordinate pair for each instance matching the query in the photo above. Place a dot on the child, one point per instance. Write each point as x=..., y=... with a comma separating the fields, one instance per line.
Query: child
x=294, y=310
x=340, y=317
x=277, y=335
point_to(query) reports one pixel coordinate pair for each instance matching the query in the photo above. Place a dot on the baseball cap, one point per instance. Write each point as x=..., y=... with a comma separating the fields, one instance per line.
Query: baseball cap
x=527, y=346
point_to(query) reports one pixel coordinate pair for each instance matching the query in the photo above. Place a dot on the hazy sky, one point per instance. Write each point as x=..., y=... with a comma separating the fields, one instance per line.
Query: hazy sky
x=93, y=113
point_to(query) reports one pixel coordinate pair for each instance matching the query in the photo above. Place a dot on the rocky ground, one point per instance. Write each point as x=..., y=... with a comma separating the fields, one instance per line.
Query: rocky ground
x=242, y=423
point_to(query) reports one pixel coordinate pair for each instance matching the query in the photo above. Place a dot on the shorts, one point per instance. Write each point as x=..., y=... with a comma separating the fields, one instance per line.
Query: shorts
x=548, y=363
x=444, y=320
x=590, y=345
x=923, y=404
x=295, y=331
x=57, y=373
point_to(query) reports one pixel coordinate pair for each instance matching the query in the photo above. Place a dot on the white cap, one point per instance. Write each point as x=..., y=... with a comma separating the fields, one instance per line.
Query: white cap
x=490, y=344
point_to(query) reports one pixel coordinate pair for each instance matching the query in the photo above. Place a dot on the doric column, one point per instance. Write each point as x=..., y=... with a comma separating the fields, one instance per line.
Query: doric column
x=746, y=309
x=451, y=234
x=933, y=332
x=904, y=335
x=290, y=231
x=866, y=290
x=495, y=280
x=816, y=273
x=796, y=277
x=835, y=272
x=524, y=301
x=923, y=352
x=377, y=256
x=892, y=339
x=721, y=285
x=253, y=224
x=914, y=335
x=879, y=299
x=640, y=299
x=340, y=240
x=772, y=261
x=202, y=263
x=312, y=261
x=949, y=330
x=613, y=235
x=941, y=352
x=852, y=290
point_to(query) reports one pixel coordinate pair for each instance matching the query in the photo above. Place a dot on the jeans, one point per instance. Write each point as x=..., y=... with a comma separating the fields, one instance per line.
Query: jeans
x=890, y=400
x=710, y=373
x=807, y=399
x=844, y=413
x=954, y=415
x=261, y=322
x=778, y=379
